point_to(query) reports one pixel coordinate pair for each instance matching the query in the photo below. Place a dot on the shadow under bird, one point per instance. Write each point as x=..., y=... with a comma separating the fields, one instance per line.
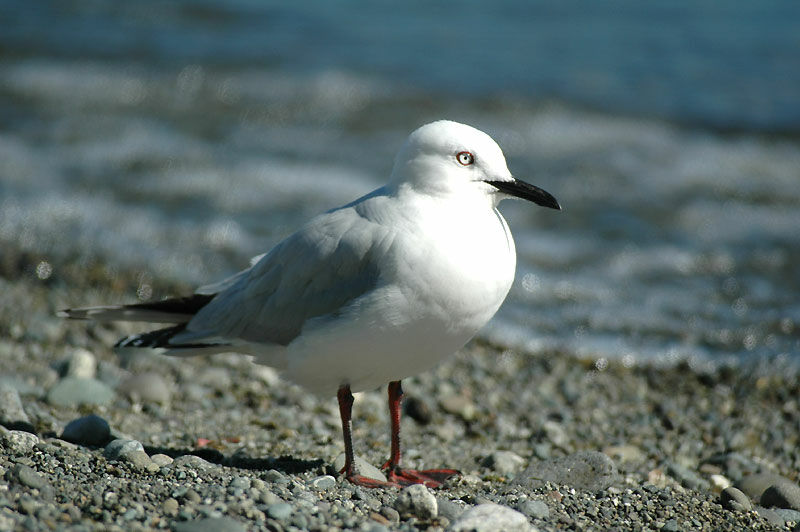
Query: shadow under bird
x=372, y=292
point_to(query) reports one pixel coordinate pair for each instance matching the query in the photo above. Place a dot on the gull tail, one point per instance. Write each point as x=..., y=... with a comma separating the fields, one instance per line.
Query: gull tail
x=175, y=310
x=179, y=310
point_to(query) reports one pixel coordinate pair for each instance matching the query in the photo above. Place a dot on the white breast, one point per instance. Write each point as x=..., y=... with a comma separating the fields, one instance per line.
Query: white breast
x=446, y=274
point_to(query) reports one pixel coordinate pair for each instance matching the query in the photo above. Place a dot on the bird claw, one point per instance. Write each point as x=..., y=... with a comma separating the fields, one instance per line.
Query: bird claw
x=431, y=478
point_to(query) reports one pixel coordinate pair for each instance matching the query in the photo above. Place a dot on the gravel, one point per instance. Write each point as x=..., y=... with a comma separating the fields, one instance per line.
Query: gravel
x=218, y=444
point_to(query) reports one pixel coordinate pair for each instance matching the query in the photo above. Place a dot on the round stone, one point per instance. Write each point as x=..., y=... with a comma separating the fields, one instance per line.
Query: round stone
x=120, y=447
x=19, y=442
x=784, y=494
x=504, y=462
x=734, y=499
x=490, y=518
x=534, y=509
x=417, y=500
x=323, y=483
x=280, y=511
x=73, y=391
x=82, y=364
x=87, y=430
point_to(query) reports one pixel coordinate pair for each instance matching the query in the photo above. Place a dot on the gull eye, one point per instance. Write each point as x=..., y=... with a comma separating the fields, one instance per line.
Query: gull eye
x=465, y=158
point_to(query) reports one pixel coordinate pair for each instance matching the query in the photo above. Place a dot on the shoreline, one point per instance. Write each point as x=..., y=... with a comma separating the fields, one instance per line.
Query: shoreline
x=674, y=437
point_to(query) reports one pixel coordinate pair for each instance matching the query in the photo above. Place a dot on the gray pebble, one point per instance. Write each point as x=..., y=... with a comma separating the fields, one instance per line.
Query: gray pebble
x=534, y=509
x=210, y=524
x=362, y=466
x=18, y=441
x=390, y=513
x=586, y=470
x=556, y=433
x=417, y=500
x=280, y=511
x=323, y=483
x=754, y=485
x=87, y=430
x=120, y=447
x=449, y=509
x=504, y=462
x=28, y=477
x=193, y=462
x=276, y=477
x=782, y=494
x=687, y=477
x=240, y=483
x=771, y=515
x=490, y=518
x=459, y=405
x=140, y=460
x=161, y=460
x=11, y=411
x=671, y=526
x=146, y=387
x=73, y=391
x=170, y=506
x=789, y=516
x=82, y=364
x=734, y=499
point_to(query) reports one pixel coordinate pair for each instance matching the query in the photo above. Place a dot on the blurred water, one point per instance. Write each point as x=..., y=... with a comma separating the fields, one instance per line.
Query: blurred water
x=181, y=138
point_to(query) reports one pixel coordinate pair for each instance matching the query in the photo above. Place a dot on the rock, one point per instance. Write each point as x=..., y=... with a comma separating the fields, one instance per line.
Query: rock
x=28, y=477
x=459, y=405
x=504, y=462
x=755, y=485
x=81, y=364
x=624, y=453
x=448, y=509
x=170, y=507
x=279, y=511
x=18, y=442
x=146, y=387
x=323, y=483
x=734, y=499
x=534, y=509
x=490, y=518
x=73, y=391
x=161, y=460
x=362, y=466
x=556, y=433
x=193, y=462
x=210, y=524
x=719, y=482
x=771, y=515
x=12, y=415
x=390, y=513
x=276, y=477
x=687, y=477
x=417, y=500
x=418, y=410
x=671, y=526
x=789, y=516
x=782, y=494
x=87, y=430
x=586, y=471
x=118, y=448
x=140, y=461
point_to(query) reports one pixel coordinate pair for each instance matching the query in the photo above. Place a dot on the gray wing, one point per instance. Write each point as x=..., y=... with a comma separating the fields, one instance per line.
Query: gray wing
x=315, y=272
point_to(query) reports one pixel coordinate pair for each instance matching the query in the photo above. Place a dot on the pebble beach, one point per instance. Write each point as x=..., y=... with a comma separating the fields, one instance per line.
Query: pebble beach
x=545, y=441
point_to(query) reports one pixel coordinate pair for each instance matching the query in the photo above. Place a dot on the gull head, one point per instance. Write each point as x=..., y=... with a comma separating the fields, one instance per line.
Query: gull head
x=444, y=158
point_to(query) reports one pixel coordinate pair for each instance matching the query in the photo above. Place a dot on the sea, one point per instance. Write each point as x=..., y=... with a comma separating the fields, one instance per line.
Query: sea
x=180, y=138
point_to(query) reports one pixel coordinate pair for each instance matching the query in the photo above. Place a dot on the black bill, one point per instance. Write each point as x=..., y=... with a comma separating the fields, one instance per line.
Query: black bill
x=526, y=191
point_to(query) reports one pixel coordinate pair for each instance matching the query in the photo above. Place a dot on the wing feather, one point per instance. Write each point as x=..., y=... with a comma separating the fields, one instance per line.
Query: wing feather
x=315, y=272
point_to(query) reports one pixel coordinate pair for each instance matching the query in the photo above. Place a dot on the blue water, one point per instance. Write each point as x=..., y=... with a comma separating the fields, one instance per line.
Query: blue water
x=180, y=138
